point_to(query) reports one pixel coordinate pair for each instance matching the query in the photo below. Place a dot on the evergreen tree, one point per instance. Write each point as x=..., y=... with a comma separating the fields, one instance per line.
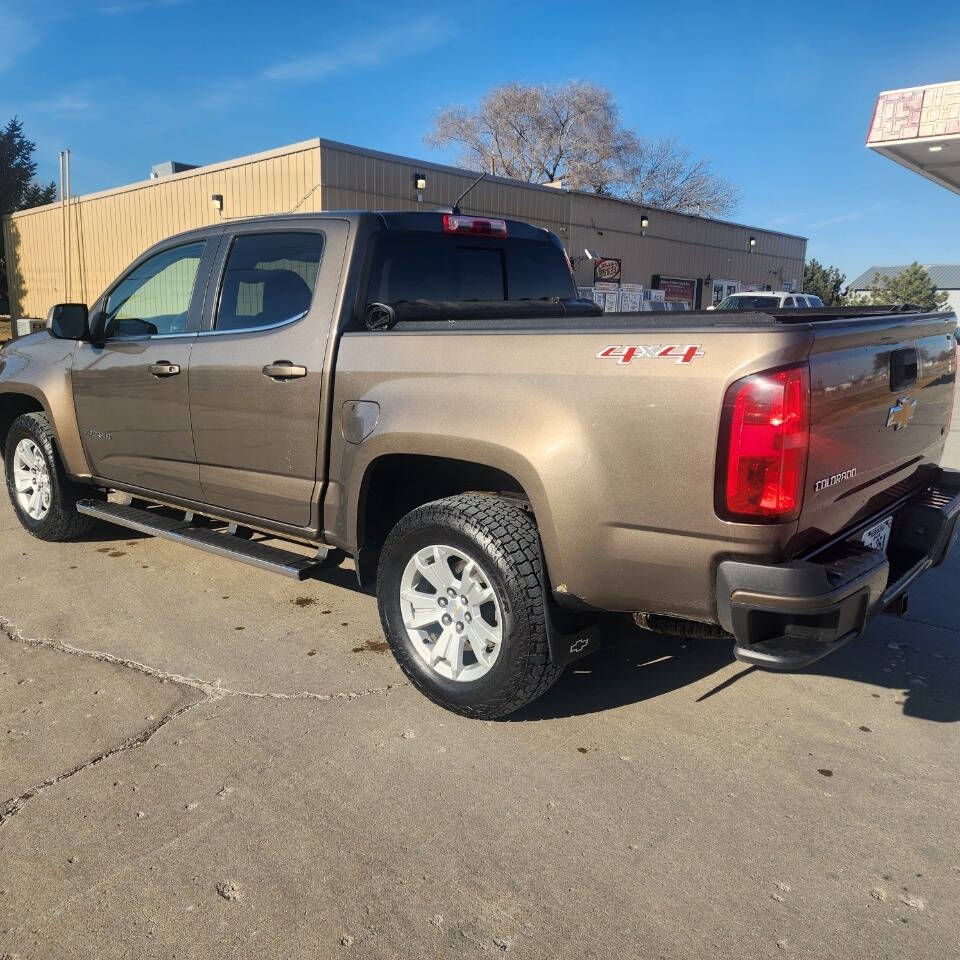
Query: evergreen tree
x=18, y=188
x=912, y=285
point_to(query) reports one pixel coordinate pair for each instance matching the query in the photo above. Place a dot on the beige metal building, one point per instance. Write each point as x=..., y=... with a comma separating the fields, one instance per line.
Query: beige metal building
x=72, y=251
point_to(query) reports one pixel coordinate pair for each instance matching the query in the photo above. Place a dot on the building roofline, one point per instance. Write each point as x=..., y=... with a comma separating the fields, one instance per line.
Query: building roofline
x=510, y=182
x=182, y=175
x=382, y=155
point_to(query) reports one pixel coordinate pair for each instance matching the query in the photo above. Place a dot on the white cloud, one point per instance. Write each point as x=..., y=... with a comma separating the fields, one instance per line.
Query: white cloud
x=120, y=7
x=62, y=103
x=19, y=36
x=845, y=217
x=421, y=34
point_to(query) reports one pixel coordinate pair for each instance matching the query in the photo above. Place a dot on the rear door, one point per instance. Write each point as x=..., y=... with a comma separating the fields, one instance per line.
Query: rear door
x=130, y=383
x=256, y=371
x=882, y=394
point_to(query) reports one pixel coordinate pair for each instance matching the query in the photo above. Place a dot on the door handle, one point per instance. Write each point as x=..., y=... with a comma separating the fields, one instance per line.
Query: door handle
x=284, y=370
x=164, y=369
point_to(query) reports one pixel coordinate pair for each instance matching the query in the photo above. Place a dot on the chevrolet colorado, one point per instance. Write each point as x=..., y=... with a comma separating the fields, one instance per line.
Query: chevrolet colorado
x=424, y=392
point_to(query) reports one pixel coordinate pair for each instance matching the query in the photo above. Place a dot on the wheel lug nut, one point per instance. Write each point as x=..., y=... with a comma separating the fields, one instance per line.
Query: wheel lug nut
x=467, y=617
x=447, y=619
x=451, y=592
x=459, y=627
x=442, y=601
x=463, y=600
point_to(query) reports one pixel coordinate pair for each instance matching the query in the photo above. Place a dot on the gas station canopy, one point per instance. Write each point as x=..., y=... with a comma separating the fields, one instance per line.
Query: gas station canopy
x=919, y=128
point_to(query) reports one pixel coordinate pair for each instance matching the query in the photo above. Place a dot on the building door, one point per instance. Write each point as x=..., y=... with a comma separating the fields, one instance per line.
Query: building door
x=723, y=289
x=130, y=381
x=256, y=372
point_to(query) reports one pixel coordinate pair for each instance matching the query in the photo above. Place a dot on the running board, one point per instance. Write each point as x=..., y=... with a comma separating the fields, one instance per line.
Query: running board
x=284, y=562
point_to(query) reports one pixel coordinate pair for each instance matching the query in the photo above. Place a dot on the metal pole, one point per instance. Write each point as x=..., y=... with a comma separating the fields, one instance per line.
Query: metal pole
x=63, y=228
x=69, y=228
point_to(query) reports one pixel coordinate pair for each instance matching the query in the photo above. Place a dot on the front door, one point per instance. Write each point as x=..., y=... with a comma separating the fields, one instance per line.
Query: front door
x=256, y=372
x=130, y=383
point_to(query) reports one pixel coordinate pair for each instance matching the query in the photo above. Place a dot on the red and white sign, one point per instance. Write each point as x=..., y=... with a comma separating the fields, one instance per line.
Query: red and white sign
x=606, y=269
x=627, y=353
x=679, y=289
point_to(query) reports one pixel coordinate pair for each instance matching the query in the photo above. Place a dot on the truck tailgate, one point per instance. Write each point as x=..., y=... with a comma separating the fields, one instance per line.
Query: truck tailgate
x=881, y=401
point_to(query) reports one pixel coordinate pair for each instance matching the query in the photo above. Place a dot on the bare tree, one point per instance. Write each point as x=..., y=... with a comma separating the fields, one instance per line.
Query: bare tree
x=573, y=133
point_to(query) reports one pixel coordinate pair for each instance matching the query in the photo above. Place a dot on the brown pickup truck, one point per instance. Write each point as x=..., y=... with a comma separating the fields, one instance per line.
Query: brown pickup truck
x=424, y=392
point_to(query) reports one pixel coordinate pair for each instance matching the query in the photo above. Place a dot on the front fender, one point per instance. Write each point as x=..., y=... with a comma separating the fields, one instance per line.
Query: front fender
x=39, y=367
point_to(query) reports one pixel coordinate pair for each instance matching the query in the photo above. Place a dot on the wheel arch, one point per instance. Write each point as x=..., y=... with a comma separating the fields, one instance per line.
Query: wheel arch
x=13, y=405
x=393, y=484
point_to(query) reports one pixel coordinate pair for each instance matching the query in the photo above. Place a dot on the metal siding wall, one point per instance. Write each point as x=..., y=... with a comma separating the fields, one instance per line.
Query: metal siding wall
x=676, y=245
x=357, y=181
x=110, y=230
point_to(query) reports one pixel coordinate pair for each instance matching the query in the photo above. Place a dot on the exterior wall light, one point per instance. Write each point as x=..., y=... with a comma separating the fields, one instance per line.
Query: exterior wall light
x=420, y=182
x=644, y=223
x=217, y=200
x=753, y=244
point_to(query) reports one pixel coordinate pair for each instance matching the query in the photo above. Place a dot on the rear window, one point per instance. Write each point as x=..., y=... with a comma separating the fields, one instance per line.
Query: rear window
x=749, y=303
x=424, y=266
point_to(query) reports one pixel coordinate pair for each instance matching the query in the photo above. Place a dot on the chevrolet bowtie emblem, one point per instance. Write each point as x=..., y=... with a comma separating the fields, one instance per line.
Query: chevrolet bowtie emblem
x=901, y=413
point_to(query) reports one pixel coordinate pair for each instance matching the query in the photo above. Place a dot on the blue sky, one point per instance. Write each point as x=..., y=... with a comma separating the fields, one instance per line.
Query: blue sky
x=777, y=96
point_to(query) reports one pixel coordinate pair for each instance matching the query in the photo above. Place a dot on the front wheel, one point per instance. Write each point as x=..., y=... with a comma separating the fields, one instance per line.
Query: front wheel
x=43, y=497
x=461, y=600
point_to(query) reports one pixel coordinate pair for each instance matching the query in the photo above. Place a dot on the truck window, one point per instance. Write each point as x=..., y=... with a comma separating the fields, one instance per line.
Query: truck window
x=269, y=279
x=155, y=296
x=408, y=266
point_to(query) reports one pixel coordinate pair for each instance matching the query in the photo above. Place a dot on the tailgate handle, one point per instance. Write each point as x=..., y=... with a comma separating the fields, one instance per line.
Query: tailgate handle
x=903, y=369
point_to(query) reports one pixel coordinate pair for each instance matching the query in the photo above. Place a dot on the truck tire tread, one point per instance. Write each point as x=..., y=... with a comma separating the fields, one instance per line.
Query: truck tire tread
x=507, y=535
x=62, y=523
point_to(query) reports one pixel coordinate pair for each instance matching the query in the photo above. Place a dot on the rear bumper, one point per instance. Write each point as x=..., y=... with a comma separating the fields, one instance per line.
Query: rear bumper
x=789, y=615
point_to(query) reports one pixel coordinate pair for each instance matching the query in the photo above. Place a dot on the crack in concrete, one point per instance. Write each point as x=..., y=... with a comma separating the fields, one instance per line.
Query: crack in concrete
x=210, y=690
x=16, y=804
x=930, y=623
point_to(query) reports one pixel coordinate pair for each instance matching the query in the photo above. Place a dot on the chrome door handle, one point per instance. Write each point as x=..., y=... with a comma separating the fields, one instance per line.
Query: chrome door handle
x=164, y=369
x=284, y=370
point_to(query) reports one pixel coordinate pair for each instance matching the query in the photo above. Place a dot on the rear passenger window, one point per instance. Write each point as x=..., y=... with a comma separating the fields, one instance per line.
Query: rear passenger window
x=269, y=279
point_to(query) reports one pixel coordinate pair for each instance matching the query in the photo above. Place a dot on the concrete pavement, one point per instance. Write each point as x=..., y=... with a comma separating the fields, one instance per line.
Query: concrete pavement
x=203, y=760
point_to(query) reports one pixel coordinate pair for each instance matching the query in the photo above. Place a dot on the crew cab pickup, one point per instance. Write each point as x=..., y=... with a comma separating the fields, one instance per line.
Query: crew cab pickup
x=424, y=392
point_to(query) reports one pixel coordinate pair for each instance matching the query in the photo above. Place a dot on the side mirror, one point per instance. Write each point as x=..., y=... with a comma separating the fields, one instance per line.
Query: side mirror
x=69, y=321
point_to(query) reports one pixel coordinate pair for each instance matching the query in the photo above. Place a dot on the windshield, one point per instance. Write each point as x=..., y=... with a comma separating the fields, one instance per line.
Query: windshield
x=741, y=302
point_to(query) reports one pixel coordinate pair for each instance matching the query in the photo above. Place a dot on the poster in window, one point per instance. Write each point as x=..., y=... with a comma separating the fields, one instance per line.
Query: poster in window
x=679, y=289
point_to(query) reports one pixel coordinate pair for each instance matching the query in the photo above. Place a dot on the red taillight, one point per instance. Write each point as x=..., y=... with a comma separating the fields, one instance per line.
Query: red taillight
x=764, y=442
x=457, y=223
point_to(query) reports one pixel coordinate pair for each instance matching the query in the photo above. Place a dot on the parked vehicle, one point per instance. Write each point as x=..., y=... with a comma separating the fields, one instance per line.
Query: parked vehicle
x=424, y=392
x=769, y=300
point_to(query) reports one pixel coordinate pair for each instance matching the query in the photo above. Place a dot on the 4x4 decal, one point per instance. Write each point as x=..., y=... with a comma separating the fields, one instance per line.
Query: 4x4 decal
x=627, y=353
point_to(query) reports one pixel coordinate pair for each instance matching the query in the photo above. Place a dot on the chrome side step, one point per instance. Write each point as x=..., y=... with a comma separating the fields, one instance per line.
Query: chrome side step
x=285, y=562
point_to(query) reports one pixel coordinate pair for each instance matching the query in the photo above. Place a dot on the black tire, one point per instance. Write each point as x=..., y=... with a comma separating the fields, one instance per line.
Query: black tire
x=62, y=522
x=502, y=537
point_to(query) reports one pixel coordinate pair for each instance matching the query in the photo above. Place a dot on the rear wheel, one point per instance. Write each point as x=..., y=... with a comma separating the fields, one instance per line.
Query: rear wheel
x=43, y=497
x=461, y=601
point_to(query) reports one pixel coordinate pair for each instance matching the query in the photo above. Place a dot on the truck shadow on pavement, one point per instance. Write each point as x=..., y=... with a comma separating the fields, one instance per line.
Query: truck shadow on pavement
x=922, y=673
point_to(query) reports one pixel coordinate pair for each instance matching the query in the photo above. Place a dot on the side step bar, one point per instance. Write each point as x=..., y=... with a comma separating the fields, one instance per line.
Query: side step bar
x=285, y=562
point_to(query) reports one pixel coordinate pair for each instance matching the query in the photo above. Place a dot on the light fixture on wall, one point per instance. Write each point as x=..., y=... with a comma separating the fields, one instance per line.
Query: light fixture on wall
x=217, y=200
x=753, y=244
x=420, y=182
x=644, y=223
